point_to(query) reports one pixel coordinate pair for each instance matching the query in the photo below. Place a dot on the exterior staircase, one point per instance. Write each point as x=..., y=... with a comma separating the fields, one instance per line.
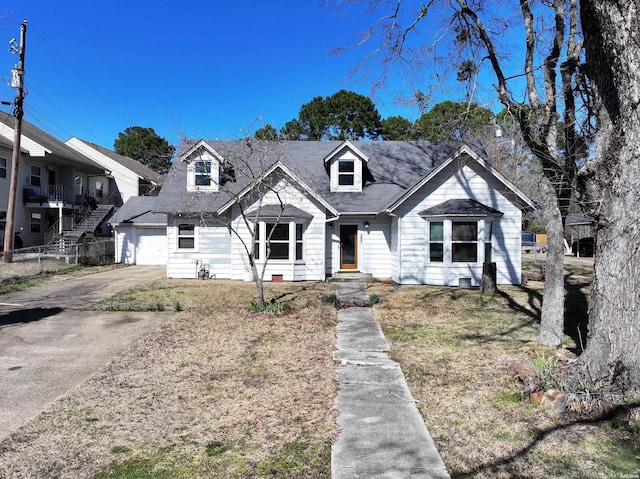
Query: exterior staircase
x=87, y=226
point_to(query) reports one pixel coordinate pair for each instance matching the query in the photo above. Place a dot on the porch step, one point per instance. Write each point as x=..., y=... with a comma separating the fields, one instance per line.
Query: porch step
x=346, y=276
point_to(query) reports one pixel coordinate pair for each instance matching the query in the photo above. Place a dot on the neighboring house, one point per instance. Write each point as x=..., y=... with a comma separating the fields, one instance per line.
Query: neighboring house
x=412, y=212
x=127, y=177
x=55, y=182
x=140, y=235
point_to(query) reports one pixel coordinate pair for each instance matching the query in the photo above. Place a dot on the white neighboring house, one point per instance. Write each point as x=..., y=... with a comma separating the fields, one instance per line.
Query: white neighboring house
x=127, y=177
x=54, y=183
x=140, y=235
x=412, y=212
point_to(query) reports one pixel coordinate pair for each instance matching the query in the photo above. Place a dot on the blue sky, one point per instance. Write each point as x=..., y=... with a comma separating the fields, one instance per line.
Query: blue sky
x=194, y=68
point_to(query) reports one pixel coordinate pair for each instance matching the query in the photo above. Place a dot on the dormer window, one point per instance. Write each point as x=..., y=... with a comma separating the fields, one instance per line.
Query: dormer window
x=202, y=173
x=203, y=170
x=346, y=172
x=347, y=167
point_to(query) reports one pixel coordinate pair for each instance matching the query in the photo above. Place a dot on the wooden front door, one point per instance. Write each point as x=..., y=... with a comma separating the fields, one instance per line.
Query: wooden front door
x=348, y=247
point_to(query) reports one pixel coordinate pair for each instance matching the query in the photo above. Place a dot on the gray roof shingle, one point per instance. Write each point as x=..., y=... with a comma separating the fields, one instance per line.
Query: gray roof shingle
x=393, y=167
x=138, y=210
x=138, y=168
x=460, y=207
x=63, y=153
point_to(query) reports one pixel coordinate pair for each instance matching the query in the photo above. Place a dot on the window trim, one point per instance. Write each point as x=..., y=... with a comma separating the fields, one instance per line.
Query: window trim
x=465, y=241
x=349, y=172
x=194, y=175
x=295, y=245
x=35, y=226
x=3, y=167
x=480, y=240
x=193, y=236
x=32, y=175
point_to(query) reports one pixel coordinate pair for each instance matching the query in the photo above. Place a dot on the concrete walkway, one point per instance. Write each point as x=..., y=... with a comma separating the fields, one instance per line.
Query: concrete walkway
x=381, y=432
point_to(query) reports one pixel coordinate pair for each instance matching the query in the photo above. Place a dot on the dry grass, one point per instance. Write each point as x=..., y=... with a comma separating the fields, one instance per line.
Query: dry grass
x=456, y=348
x=216, y=392
x=219, y=392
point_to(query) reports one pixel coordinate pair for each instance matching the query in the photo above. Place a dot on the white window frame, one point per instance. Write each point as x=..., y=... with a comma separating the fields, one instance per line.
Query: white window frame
x=447, y=242
x=473, y=240
x=294, y=243
x=347, y=158
x=194, y=236
x=3, y=167
x=213, y=175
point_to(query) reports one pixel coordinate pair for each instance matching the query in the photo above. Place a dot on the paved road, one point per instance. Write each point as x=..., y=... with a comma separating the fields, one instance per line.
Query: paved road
x=48, y=346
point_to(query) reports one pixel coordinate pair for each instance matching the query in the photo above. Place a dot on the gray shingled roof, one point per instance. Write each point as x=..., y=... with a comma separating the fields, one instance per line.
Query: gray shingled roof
x=394, y=166
x=138, y=168
x=460, y=207
x=138, y=210
x=63, y=153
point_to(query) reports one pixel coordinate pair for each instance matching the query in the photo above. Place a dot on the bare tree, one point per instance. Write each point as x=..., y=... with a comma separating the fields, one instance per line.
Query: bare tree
x=611, y=183
x=549, y=79
x=250, y=187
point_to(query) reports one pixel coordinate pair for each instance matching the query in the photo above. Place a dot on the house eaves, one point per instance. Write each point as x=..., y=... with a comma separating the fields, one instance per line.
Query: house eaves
x=278, y=166
x=474, y=156
x=350, y=146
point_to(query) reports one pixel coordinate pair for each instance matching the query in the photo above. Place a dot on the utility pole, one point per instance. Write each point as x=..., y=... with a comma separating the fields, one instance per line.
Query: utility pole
x=17, y=82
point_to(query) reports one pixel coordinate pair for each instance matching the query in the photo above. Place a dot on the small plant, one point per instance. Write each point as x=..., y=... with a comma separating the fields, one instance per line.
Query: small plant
x=374, y=299
x=178, y=306
x=331, y=299
x=270, y=307
x=543, y=367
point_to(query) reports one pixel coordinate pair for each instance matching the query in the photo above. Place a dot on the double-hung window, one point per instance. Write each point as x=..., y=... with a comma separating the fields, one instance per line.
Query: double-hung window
x=279, y=241
x=346, y=172
x=36, y=222
x=464, y=241
x=186, y=236
x=202, y=170
x=3, y=167
x=278, y=238
x=36, y=176
x=436, y=241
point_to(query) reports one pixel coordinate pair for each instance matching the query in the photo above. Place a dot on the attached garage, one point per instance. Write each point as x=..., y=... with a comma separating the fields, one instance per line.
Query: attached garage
x=140, y=235
x=151, y=245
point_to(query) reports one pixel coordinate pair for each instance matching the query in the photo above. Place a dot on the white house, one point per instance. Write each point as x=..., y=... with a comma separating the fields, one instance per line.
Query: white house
x=54, y=182
x=412, y=212
x=127, y=177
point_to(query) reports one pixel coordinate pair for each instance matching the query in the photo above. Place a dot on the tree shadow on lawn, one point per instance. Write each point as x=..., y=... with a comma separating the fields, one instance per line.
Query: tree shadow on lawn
x=27, y=315
x=506, y=464
x=576, y=308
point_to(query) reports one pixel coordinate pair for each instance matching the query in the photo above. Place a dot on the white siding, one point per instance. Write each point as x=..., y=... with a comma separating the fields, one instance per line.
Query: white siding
x=126, y=181
x=125, y=244
x=460, y=180
x=312, y=267
x=375, y=248
x=213, y=247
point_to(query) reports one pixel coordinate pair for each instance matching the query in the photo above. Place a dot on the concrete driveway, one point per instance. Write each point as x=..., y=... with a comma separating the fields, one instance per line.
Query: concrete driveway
x=48, y=345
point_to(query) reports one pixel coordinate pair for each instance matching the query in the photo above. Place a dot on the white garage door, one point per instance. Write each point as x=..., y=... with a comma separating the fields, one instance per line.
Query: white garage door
x=151, y=246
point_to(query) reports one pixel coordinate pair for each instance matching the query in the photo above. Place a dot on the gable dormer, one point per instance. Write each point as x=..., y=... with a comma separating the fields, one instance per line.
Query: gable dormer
x=347, y=167
x=203, y=168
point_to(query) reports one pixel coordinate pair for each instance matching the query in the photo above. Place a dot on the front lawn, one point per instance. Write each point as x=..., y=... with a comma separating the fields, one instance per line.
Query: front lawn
x=222, y=392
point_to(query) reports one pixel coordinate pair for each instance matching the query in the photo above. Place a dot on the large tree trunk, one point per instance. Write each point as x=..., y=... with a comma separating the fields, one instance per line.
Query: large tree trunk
x=611, y=184
x=552, y=316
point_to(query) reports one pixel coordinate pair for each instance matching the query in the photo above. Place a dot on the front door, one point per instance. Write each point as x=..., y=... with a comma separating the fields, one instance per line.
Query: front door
x=348, y=247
